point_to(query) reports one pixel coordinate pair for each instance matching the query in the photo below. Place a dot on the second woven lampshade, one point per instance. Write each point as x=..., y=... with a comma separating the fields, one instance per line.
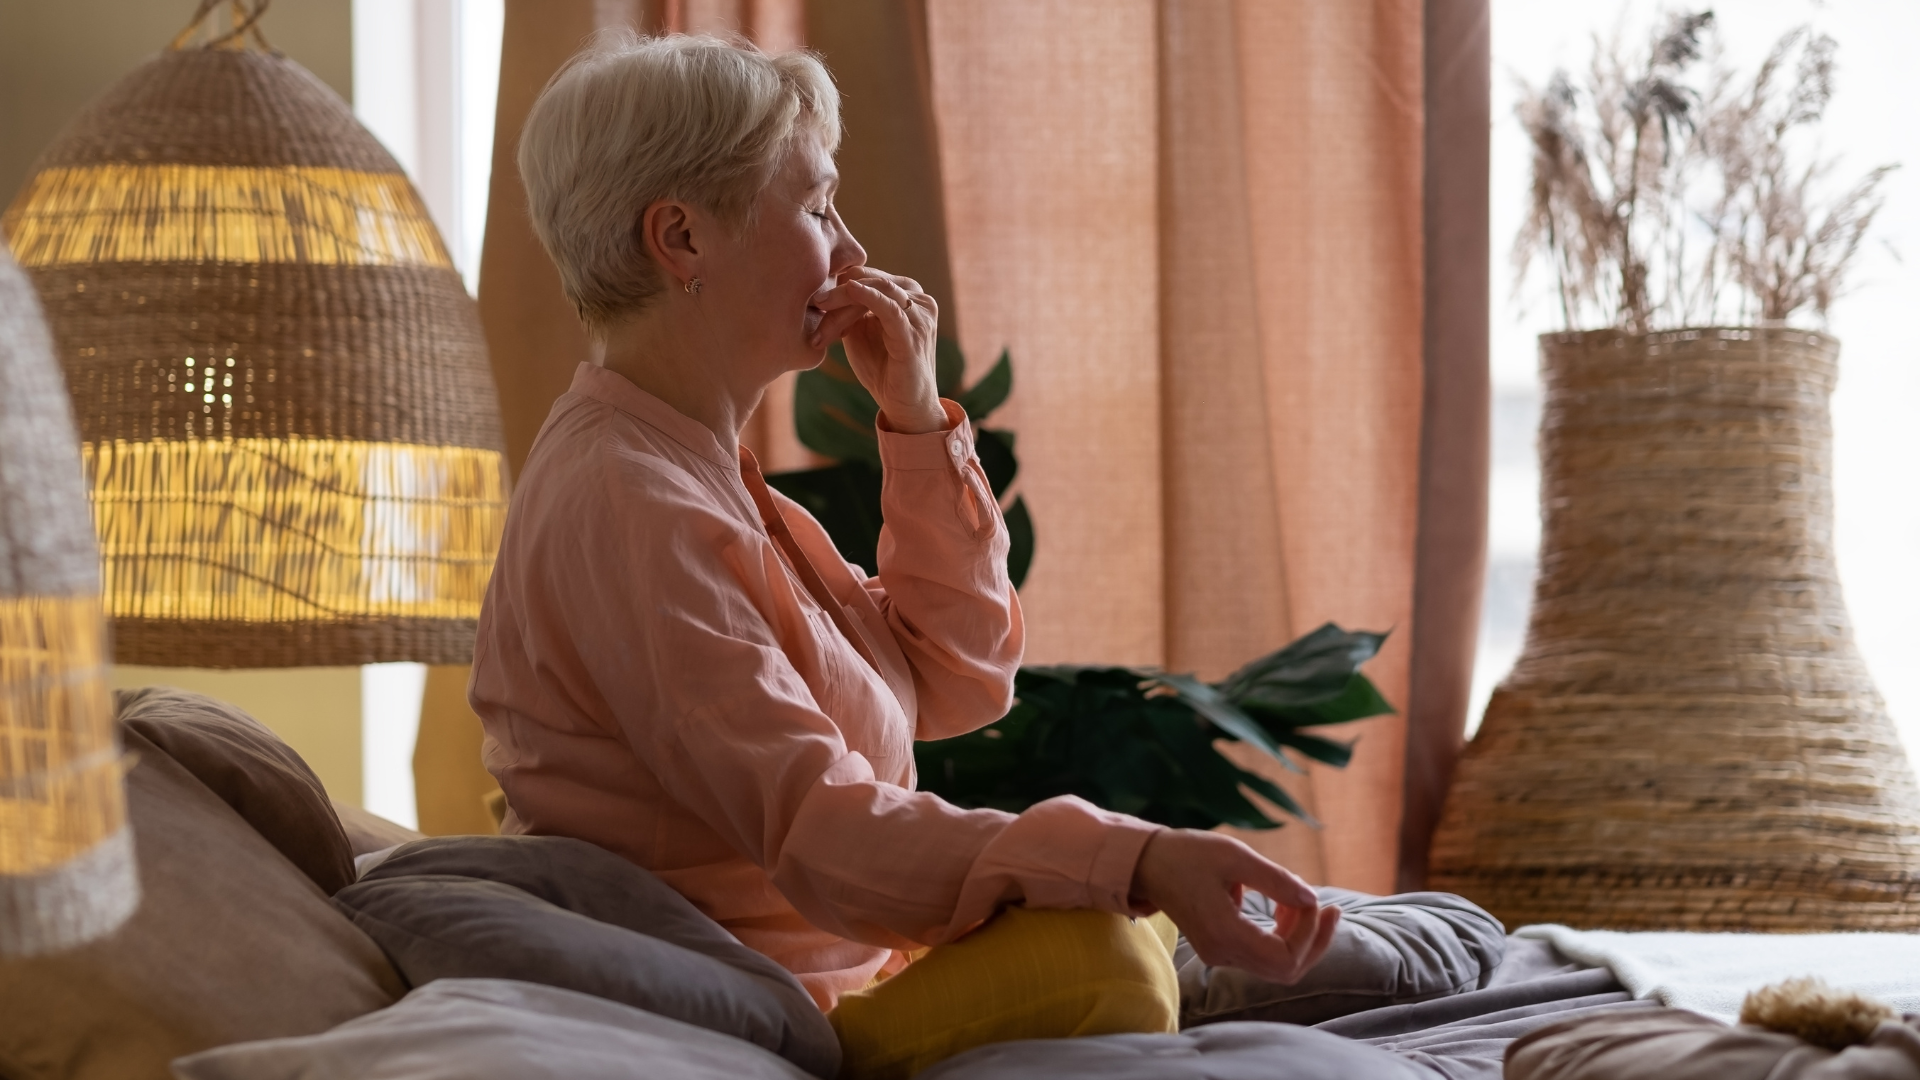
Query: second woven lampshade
x=67, y=872
x=282, y=391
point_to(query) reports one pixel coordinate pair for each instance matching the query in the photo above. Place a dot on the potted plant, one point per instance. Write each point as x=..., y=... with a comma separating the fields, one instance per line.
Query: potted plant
x=1137, y=740
x=1690, y=739
x=1144, y=741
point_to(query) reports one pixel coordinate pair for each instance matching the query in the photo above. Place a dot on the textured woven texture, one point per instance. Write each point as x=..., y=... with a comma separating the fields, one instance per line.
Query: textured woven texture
x=58, y=758
x=66, y=867
x=233, y=214
x=291, y=434
x=1690, y=739
x=327, y=529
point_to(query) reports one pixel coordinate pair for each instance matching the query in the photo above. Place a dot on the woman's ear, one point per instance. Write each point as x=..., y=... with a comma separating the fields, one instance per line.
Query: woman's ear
x=667, y=229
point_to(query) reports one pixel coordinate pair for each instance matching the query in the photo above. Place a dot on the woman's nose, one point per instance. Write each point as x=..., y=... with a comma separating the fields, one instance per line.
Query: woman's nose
x=847, y=252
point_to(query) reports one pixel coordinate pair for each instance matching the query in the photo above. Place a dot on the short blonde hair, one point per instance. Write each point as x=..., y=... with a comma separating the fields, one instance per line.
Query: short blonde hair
x=632, y=120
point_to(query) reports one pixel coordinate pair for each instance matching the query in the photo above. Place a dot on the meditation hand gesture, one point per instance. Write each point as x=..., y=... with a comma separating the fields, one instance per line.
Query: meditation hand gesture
x=887, y=324
x=1197, y=878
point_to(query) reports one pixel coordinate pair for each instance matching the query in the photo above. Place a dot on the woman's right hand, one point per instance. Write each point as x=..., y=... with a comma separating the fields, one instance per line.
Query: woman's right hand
x=887, y=324
x=1197, y=879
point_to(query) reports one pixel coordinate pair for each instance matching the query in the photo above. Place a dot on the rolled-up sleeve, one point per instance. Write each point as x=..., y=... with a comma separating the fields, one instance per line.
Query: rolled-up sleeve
x=943, y=578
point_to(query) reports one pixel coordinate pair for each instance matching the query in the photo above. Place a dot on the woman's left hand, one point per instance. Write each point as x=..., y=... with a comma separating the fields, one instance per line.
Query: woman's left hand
x=887, y=323
x=1198, y=879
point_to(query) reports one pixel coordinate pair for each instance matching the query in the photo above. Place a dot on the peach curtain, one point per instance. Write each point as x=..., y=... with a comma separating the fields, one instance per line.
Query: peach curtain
x=1454, y=444
x=1197, y=225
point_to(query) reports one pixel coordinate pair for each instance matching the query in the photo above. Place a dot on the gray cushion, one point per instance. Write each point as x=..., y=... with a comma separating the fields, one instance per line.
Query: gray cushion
x=494, y=1029
x=251, y=769
x=1249, y=1051
x=1389, y=950
x=564, y=913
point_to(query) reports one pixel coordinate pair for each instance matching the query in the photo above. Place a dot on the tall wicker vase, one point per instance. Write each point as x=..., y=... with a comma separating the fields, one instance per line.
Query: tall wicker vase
x=1690, y=739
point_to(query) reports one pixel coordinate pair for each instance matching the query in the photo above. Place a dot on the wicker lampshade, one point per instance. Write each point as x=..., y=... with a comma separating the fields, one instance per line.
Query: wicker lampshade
x=287, y=418
x=66, y=854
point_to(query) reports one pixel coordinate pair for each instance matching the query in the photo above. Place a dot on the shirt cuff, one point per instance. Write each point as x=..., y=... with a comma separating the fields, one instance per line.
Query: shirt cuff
x=949, y=449
x=1110, y=884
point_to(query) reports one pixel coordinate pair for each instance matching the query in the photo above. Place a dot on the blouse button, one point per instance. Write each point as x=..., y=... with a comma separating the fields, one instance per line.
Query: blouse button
x=958, y=446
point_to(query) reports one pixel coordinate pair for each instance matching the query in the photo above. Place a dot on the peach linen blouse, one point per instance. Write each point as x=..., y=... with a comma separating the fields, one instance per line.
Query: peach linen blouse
x=675, y=664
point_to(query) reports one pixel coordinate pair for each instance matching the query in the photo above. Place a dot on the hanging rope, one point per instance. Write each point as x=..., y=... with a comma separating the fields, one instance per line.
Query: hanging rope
x=244, y=18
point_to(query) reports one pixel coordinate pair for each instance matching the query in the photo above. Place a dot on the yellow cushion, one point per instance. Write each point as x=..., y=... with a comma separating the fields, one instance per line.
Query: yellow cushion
x=1164, y=929
x=1024, y=975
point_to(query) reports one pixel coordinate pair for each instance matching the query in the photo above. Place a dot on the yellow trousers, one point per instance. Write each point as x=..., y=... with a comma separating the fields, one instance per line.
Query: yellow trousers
x=1023, y=975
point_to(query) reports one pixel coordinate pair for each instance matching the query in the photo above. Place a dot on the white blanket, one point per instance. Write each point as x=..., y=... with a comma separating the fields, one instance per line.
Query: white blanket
x=1712, y=973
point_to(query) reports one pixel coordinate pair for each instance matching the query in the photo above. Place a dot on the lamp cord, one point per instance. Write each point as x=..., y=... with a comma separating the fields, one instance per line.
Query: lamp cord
x=245, y=21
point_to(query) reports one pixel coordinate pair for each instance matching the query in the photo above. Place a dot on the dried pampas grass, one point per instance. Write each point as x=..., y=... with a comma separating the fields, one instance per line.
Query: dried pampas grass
x=1665, y=197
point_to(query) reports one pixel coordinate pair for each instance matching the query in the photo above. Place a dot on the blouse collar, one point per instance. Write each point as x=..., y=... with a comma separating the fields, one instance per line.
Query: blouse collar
x=593, y=381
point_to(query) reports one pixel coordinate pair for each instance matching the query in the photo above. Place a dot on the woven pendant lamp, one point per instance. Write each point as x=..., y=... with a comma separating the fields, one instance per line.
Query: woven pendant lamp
x=1690, y=739
x=282, y=392
x=66, y=853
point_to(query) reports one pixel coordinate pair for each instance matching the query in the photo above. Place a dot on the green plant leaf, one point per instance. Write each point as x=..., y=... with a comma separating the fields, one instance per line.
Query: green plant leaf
x=991, y=391
x=1278, y=796
x=1019, y=541
x=833, y=414
x=949, y=367
x=1334, y=753
x=995, y=449
x=1038, y=676
x=1208, y=782
x=1121, y=770
x=1310, y=670
x=1224, y=714
x=1358, y=701
x=1125, y=739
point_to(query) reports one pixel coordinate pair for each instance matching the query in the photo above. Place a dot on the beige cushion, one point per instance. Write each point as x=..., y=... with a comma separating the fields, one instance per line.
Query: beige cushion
x=368, y=832
x=249, y=768
x=231, y=943
x=1672, y=1044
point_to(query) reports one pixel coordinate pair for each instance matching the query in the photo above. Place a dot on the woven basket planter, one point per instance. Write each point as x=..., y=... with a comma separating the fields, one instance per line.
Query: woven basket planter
x=282, y=391
x=1690, y=739
x=66, y=854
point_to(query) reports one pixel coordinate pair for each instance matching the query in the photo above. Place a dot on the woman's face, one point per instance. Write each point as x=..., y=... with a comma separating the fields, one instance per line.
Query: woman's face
x=762, y=287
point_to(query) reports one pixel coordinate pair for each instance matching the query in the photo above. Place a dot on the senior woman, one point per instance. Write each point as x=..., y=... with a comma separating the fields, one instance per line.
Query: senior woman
x=674, y=664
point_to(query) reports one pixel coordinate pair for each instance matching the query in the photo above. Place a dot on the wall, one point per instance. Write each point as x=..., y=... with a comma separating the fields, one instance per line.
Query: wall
x=316, y=710
x=56, y=57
